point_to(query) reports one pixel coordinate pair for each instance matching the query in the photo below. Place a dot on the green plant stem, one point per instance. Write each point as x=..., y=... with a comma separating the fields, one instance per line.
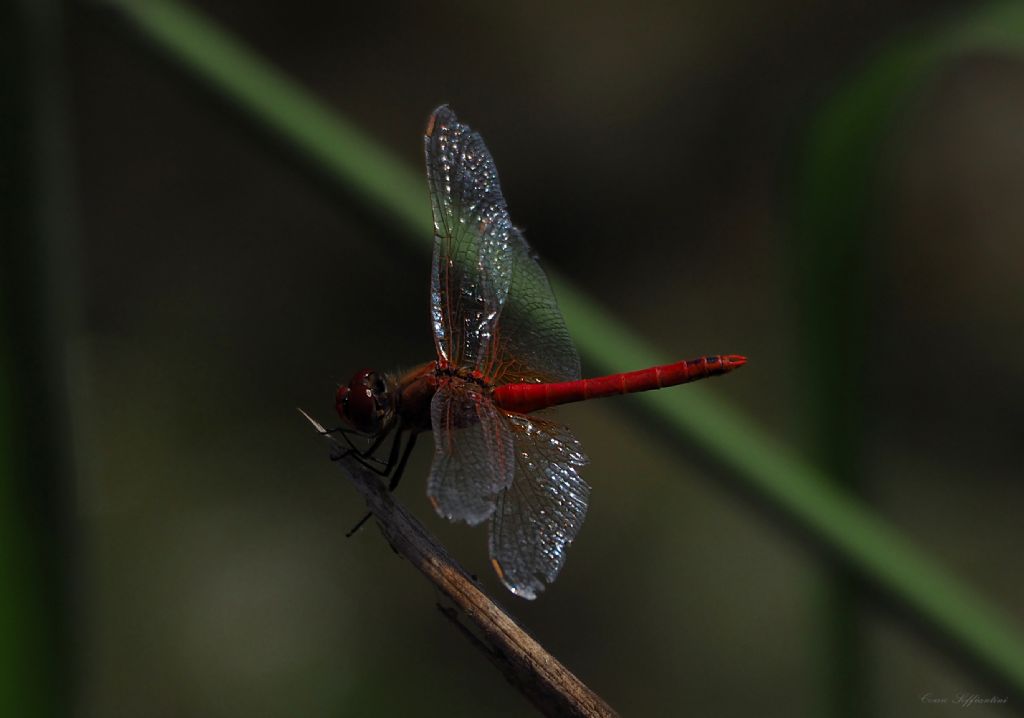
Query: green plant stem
x=837, y=194
x=35, y=548
x=831, y=515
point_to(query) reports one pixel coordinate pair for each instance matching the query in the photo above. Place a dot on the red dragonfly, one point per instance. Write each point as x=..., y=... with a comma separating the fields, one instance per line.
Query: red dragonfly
x=503, y=353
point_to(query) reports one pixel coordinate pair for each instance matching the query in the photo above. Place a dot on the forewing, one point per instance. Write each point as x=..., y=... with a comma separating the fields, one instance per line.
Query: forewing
x=473, y=452
x=539, y=515
x=472, y=267
x=534, y=344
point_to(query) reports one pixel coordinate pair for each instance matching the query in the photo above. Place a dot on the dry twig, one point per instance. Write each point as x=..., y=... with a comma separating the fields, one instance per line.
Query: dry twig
x=549, y=685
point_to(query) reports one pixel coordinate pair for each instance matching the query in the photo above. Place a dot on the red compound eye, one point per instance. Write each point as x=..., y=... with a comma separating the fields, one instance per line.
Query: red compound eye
x=357, y=403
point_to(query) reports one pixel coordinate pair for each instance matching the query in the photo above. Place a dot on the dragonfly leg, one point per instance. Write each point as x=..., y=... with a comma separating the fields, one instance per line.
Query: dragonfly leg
x=396, y=475
x=359, y=524
x=365, y=456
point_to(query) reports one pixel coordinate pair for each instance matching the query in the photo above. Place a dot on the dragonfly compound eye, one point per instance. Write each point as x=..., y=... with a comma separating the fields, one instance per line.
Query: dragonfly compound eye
x=341, y=402
x=359, y=404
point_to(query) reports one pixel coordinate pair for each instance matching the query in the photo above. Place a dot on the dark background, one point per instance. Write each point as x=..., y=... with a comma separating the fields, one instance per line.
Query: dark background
x=649, y=151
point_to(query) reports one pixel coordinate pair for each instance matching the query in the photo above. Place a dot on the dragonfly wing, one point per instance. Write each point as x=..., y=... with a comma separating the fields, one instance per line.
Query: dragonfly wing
x=472, y=267
x=473, y=452
x=534, y=344
x=539, y=515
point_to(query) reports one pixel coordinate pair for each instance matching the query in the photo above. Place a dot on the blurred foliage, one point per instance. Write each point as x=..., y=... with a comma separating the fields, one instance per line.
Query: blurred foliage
x=36, y=561
x=738, y=446
x=837, y=192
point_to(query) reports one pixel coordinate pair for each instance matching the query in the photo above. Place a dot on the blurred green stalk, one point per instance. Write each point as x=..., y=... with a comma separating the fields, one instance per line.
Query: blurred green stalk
x=35, y=561
x=809, y=498
x=837, y=194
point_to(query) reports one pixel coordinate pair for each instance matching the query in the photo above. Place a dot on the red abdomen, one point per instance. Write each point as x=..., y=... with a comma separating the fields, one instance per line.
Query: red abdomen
x=525, y=398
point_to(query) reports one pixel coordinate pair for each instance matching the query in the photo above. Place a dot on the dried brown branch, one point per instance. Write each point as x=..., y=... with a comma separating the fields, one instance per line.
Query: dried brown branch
x=549, y=685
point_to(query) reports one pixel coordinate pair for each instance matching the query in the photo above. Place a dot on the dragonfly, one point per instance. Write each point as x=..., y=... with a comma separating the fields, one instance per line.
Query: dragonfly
x=503, y=354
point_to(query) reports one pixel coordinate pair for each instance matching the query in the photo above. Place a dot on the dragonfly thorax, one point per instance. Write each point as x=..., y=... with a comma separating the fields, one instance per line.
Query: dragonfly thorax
x=365, y=404
x=464, y=373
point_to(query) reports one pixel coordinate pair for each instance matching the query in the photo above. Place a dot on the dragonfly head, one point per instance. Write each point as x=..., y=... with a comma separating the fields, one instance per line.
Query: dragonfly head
x=365, y=402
